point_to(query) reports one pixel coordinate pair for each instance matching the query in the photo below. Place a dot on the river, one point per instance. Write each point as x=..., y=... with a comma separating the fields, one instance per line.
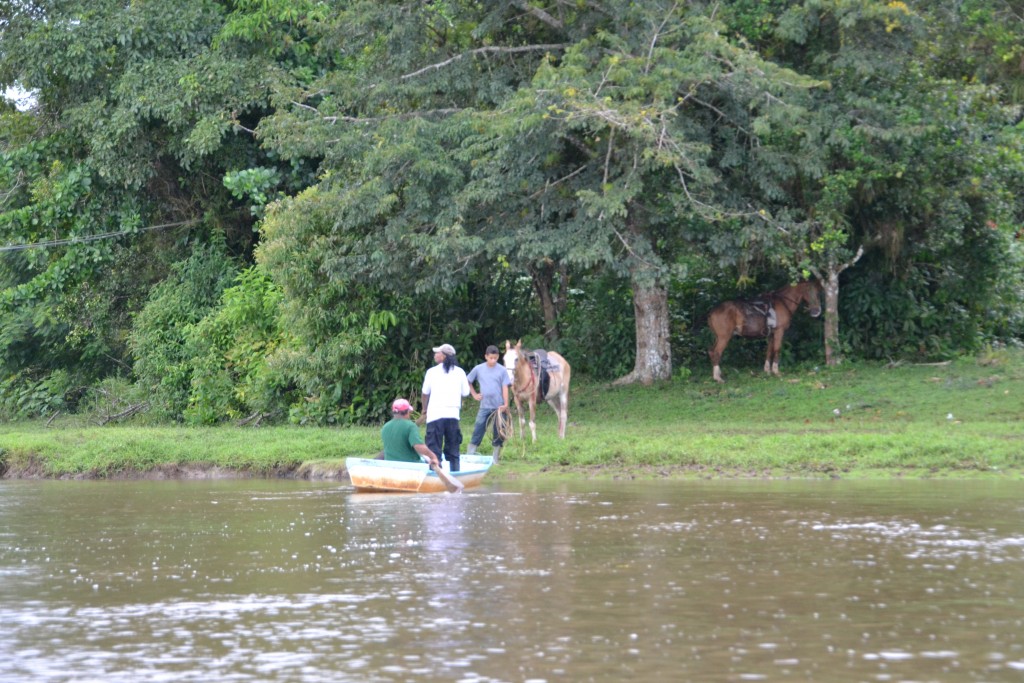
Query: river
x=529, y=581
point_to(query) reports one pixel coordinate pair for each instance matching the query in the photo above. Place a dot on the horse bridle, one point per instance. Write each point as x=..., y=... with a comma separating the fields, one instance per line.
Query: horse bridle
x=529, y=365
x=788, y=301
x=796, y=305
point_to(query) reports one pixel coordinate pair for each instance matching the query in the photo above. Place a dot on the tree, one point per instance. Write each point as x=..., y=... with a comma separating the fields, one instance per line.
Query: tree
x=426, y=169
x=164, y=327
x=136, y=120
x=891, y=157
x=465, y=134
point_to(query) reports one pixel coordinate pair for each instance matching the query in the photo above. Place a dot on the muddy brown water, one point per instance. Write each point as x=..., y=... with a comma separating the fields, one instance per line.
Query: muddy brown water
x=250, y=580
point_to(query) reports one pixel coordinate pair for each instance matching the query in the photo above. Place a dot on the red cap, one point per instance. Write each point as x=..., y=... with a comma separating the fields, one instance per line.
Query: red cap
x=401, y=406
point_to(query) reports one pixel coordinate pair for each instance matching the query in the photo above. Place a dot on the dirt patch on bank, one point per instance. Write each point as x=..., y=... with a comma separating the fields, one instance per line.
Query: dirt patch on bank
x=31, y=468
x=192, y=471
x=617, y=472
x=34, y=469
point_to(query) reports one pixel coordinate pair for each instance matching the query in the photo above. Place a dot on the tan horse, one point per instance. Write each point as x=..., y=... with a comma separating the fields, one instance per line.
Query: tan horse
x=526, y=385
x=752, y=319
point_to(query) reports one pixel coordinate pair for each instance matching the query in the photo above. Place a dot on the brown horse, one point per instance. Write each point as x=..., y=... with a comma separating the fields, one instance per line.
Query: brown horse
x=524, y=367
x=753, y=319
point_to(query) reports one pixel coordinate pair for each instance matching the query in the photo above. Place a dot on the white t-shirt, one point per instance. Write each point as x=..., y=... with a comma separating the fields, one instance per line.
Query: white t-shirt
x=446, y=390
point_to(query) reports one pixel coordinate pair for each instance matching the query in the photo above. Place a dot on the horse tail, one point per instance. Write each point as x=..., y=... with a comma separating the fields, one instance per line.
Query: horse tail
x=700, y=322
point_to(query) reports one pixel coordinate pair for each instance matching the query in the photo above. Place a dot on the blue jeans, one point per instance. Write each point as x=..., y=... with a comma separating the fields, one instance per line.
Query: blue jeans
x=480, y=426
x=443, y=437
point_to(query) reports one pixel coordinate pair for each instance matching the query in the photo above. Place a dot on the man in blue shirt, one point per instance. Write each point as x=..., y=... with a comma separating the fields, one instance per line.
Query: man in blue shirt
x=493, y=396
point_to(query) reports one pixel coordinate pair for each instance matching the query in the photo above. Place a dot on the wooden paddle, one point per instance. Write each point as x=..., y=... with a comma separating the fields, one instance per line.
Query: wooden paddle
x=451, y=483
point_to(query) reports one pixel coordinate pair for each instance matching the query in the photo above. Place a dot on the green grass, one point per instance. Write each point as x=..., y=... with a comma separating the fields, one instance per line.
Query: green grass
x=35, y=450
x=891, y=421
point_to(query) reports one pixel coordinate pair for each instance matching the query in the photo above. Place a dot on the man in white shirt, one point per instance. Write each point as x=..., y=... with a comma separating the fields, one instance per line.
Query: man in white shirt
x=444, y=387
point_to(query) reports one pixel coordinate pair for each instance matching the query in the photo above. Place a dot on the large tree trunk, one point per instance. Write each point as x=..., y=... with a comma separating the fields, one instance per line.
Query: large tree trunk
x=552, y=300
x=831, y=287
x=653, y=352
x=830, y=283
x=650, y=308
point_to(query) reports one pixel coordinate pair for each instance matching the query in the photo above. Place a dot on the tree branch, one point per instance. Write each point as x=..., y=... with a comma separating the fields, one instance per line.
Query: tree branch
x=549, y=185
x=608, y=156
x=836, y=271
x=707, y=211
x=538, y=13
x=723, y=115
x=629, y=249
x=860, y=252
x=395, y=117
x=256, y=418
x=137, y=408
x=654, y=38
x=374, y=119
x=238, y=124
x=484, y=50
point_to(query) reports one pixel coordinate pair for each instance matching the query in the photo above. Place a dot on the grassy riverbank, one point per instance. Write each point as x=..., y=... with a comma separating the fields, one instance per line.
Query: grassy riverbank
x=964, y=418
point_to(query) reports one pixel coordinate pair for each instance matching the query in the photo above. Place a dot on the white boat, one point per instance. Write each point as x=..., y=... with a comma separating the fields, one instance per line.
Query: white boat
x=369, y=474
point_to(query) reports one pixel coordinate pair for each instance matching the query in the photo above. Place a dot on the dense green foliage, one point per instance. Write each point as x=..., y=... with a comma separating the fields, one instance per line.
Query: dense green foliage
x=272, y=209
x=167, y=322
x=229, y=351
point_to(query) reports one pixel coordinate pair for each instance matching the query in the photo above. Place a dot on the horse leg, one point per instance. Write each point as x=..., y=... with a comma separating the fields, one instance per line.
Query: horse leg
x=511, y=420
x=522, y=418
x=563, y=412
x=715, y=354
x=774, y=347
x=533, y=418
x=557, y=405
x=559, y=402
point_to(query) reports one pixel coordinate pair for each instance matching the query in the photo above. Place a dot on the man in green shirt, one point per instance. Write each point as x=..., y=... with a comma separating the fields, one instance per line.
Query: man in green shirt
x=401, y=436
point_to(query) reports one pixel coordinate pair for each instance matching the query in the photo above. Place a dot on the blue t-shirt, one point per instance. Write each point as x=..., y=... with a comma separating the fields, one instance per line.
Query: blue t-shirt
x=491, y=380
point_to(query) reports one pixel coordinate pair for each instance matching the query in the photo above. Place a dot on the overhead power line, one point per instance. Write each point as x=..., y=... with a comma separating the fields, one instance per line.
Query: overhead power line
x=92, y=238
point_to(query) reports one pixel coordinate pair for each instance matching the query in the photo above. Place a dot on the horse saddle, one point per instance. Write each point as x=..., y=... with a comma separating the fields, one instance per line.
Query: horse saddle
x=543, y=366
x=762, y=307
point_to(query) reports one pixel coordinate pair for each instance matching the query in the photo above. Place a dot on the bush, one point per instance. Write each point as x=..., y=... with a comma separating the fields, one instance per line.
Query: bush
x=113, y=396
x=23, y=395
x=230, y=347
x=598, y=329
x=159, y=340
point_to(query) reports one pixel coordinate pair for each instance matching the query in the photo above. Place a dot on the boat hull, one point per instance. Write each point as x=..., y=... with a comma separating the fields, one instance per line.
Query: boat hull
x=368, y=474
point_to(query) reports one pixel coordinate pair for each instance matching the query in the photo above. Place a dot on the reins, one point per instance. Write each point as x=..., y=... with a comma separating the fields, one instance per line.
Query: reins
x=533, y=377
x=795, y=304
x=788, y=301
x=504, y=418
